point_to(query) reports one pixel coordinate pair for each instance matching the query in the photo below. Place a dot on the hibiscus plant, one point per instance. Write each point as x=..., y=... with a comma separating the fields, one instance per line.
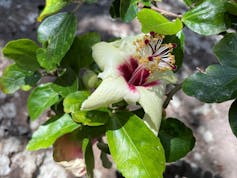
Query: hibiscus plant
x=113, y=95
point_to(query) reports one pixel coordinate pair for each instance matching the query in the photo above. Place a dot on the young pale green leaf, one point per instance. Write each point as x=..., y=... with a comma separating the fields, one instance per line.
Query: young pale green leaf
x=23, y=52
x=217, y=84
x=91, y=118
x=153, y=21
x=14, y=78
x=57, y=35
x=226, y=50
x=40, y=99
x=88, y=156
x=208, y=18
x=233, y=117
x=135, y=149
x=176, y=138
x=72, y=103
x=48, y=133
x=52, y=6
x=80, y=53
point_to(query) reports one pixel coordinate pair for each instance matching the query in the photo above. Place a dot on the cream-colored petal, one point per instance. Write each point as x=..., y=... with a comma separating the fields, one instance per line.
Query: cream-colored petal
x=110, y=91
x=107, y=58
x=166, y=76
x=151, y=100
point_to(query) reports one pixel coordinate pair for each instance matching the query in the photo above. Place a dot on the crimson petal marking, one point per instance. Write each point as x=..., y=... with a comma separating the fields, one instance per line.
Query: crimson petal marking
x=134, y=74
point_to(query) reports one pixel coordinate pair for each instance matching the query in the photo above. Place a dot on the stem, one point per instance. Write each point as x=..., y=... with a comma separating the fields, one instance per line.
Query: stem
x=166, y=13
x=171, y=94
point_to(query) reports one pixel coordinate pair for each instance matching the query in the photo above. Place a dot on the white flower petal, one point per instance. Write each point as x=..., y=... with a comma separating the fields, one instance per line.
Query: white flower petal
x=151, y=100
x=166, y=76
x=110, y=91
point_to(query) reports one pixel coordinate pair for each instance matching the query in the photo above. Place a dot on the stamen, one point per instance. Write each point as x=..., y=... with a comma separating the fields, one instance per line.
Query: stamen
x=147, y=41
x=152, y=34
x=174, y=45
x=150, y=58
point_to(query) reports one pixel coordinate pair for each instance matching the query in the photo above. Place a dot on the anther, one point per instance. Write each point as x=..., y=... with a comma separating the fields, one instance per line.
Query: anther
x=174, y=45
x=174, y=67
x=150, y=58
x=152, y=34
x=147, y=41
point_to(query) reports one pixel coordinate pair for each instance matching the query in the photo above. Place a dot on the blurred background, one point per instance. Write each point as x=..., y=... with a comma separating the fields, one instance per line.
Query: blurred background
x=215, y=152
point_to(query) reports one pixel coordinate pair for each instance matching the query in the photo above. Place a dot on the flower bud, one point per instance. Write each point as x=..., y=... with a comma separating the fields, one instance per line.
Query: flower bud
x=89, y=79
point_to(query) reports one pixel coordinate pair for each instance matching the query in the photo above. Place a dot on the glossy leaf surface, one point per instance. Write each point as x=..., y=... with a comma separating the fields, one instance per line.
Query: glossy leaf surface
x=208, y=18
x=91, y=118
x=15, y=78
x=217, y=84
x=72, y=103
x=226, y=50
x=80, y=53
x=56, y=33
x=48, y=133
x=176, y=138
x=23, y=52
x=153, y=21
x=135, y=149
x=40, y=99
x=52, y=6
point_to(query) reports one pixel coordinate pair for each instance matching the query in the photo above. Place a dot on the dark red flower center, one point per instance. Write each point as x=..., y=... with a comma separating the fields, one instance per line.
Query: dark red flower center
x=135, y=74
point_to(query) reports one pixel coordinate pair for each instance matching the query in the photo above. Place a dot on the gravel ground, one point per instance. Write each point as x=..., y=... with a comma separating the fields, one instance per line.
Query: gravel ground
x=215, y=152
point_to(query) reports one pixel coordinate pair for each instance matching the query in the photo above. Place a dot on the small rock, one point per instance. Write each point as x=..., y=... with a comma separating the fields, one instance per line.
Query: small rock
x=4, y=165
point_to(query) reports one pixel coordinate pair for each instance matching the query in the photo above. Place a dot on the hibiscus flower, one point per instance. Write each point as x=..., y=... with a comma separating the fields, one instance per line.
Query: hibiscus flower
x=135, y=69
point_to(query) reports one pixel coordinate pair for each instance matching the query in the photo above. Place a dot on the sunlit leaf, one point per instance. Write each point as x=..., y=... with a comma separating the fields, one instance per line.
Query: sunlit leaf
x=48, y=133
x=135, y=149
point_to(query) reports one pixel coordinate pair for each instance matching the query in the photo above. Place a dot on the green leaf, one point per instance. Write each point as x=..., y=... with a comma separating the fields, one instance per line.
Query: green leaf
x=231, y=7
x=226, y=50
x=126, y=10
x=91, y=118
x=14, y=78
x=23, y=52
x=40, y=99
x=179, y=50
x=217, y=84
x=89, y=157
x=135, y=149
x=72, y=103
x=176, y=138
x=80, y=53
x=153, y=21
x=48, y=133
x=52, y=6
x=66, y=84
x=56, y=33
x=233, y=117
x=208, y=18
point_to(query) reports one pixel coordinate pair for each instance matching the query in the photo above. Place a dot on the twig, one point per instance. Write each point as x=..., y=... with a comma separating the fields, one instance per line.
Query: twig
x=171, y=94
x=164, y=12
